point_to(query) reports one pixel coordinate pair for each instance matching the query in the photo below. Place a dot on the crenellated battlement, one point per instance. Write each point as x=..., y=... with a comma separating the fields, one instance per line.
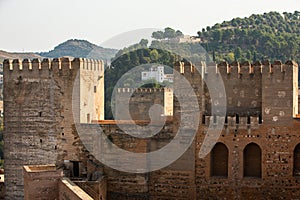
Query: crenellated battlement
x=141, y=90
x=251, y=88
x=235, y=68
x=91, y=64
x=46, y=98
x=63, y=63
x=234, y=122
x=60, y=67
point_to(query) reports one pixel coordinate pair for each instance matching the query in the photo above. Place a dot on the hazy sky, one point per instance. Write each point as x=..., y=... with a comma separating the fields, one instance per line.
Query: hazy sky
x=40, y=25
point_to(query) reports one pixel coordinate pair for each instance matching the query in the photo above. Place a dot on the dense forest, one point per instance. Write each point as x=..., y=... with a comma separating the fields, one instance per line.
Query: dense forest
x=269, y=36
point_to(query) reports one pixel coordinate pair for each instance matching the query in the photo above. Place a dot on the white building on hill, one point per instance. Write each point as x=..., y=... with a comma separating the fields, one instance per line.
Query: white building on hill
x=158, y=74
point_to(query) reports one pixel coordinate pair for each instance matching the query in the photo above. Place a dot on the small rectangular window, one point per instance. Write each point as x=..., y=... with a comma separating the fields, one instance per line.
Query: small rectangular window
x=75, y=168
x=88, y=118
x=248, y=119
x=203, y=119
x=214, y=119
x=95, y=89
x=259, y=119
x=237, y=119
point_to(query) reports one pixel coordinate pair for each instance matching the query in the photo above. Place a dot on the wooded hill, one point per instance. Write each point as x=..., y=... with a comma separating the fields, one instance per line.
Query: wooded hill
x=271, y=36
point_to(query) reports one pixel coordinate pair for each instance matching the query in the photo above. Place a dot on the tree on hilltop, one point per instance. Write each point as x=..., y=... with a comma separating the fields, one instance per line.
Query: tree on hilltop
x=168, y=33
x=158, y=35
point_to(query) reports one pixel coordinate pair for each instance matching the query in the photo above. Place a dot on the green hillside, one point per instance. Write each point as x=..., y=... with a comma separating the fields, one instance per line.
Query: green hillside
x=128, y=58
x=272, y=36
x=81, y=49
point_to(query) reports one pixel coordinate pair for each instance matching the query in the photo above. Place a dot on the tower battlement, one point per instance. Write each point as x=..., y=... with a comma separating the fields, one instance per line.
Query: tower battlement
x=259, y=139
x=141, y=90
x=141, y=100
x=46, y=98
x=251, y=88
x=55, y=64
x=235, y=68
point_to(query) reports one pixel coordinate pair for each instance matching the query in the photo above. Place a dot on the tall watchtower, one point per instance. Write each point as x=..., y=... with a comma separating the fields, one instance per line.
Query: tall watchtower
x=42, y=100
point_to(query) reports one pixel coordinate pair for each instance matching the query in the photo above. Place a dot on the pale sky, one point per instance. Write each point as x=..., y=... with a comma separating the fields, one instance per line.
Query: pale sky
x=40, y=25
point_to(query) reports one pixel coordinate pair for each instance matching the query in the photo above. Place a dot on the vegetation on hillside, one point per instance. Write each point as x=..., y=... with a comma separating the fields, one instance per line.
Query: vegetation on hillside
x=128, y=58
x=259, y=37
x=81, y=49
x=168, y=33
x=271, y=36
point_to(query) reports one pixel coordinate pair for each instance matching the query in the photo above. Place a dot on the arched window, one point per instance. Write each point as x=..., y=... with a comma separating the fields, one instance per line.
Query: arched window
x=219, y=160
x=252, y=160
x=297, y=160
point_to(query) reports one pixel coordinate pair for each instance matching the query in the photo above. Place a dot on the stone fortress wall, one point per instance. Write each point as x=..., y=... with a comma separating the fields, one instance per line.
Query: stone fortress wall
x=257, y=154
x=141, y=100
x=39, y=121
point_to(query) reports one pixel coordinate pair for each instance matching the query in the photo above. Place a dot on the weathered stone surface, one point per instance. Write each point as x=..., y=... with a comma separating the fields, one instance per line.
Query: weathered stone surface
x=41, y=182
x=40, y=114
x=262, y=102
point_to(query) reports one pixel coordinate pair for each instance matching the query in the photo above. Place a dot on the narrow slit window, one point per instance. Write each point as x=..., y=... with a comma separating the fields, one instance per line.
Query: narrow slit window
x=203, y=119
x=214, y=119
x=248, y=119
x=88, y=118
x=260, y=119
x=237, y=119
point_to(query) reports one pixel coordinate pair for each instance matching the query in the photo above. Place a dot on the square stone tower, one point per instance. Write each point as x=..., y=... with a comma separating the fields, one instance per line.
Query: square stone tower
x=43, y=101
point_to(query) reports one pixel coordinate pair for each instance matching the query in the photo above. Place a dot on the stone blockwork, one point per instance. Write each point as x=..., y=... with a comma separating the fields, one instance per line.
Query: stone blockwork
x=46, y=182
x=260, y=134
x=2, y=187
x=40, y=110
x=96, y=189
x=261, y=96
x=142, y=102
x=262, y=110
x=68, y=190
x=41, y=181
